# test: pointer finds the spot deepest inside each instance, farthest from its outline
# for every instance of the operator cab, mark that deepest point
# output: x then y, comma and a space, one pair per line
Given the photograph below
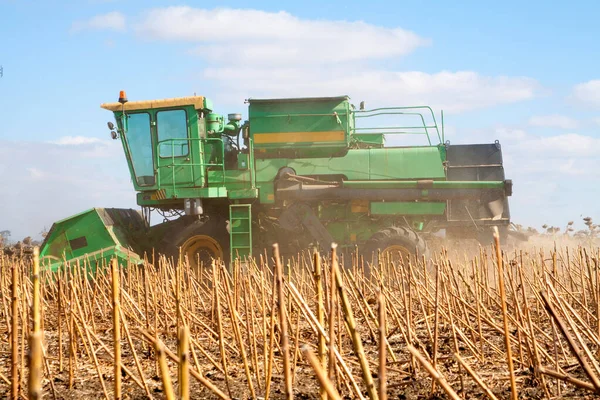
174, 141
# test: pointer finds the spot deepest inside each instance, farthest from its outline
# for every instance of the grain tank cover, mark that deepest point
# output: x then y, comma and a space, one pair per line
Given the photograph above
301, 127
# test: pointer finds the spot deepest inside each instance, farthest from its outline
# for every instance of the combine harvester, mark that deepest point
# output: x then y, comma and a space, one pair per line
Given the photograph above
299, 172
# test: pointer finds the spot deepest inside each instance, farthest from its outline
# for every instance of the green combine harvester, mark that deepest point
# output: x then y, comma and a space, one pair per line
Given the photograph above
300, 172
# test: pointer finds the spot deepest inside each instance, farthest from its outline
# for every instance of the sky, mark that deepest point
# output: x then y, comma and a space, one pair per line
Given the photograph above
523, 73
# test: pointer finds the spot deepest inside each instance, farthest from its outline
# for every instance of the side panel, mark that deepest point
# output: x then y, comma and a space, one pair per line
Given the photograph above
407, 208
299, 127
475, 162
362, 164
405, 163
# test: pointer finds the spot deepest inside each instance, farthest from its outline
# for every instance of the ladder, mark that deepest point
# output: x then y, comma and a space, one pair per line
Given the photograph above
240, 231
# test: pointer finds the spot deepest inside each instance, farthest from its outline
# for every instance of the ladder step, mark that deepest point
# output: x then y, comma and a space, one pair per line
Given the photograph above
240, 216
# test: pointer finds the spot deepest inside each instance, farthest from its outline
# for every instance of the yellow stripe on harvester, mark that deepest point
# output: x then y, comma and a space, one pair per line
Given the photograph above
300, 137
158, 195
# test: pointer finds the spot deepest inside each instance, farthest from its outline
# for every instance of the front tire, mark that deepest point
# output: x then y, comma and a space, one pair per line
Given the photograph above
200, 242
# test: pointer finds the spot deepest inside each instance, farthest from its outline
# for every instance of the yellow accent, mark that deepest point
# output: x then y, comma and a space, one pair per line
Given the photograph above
202, 246
300, 137
270, 196
353, 237
359, 206
158, 195
196, 101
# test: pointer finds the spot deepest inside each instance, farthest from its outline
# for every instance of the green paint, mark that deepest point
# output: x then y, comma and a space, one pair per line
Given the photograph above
417, 185
285, 126
373, 140
251, 193
363, 164
407, 208
94, 236
240, 230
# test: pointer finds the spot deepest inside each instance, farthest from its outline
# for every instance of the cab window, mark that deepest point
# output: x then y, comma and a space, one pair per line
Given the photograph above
172, 133
139, 142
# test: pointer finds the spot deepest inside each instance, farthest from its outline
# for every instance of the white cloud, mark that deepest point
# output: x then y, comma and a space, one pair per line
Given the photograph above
553, 121
563, 146
276, 54
587, 93
261, 37
553, 175
75, 140
114, 21
36, 173
452, 91
566, 145
89, 147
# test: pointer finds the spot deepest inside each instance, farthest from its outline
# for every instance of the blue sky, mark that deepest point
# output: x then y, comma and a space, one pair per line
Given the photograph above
524, 73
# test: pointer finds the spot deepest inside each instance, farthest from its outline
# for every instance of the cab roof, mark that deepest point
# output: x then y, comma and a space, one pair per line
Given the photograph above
198, 102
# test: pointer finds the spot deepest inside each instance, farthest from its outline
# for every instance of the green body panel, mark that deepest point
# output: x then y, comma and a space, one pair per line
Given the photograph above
240, 194
176, 196
426, 185
393, 163
266, 193
93, 236
407, 208
307, 127
230, 178
364, 164
376, 140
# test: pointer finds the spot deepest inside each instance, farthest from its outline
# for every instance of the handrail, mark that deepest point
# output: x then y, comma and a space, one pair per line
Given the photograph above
172, 165
251, 162
400, 129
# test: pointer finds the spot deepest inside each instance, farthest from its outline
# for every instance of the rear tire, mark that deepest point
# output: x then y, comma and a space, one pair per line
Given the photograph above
394, 241
200, 240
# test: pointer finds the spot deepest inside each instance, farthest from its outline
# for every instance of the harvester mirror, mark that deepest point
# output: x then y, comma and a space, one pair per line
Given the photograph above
114, 135
246, 132
111, 126
362, 105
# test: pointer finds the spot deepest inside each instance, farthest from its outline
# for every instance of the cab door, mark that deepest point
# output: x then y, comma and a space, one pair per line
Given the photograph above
175, 149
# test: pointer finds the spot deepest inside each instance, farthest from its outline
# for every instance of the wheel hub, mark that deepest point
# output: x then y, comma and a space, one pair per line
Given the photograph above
201, 250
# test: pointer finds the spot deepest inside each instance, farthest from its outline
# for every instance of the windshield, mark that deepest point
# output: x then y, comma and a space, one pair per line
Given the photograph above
139, 141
